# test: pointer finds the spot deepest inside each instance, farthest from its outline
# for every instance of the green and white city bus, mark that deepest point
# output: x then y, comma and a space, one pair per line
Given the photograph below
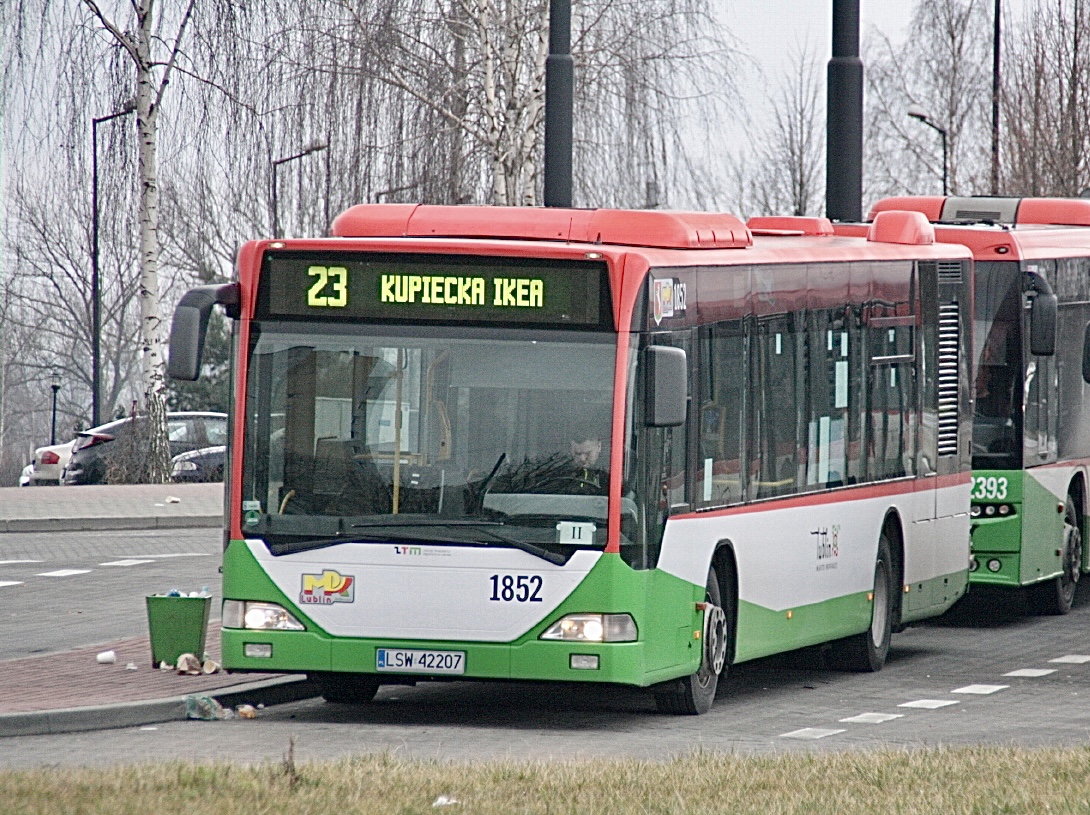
608, 446
1031, 423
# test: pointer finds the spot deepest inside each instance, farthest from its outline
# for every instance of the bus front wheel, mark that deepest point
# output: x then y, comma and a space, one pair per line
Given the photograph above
1056, 596
694, 694
866, 652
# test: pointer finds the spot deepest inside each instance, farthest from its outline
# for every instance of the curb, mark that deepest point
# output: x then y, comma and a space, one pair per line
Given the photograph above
133, 714
101, 524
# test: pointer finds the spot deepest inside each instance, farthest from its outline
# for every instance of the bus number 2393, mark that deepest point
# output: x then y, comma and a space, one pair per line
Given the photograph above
989, 488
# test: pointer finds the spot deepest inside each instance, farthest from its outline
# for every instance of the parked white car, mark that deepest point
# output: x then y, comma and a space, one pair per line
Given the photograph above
47, 469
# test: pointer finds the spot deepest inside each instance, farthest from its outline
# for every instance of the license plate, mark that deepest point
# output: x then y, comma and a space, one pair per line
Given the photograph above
398, 660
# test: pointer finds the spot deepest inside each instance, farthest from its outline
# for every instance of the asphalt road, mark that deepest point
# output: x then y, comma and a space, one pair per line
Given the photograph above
985, 674
83, 588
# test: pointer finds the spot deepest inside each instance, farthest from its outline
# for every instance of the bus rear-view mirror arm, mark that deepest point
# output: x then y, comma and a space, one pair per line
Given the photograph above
190, 326
667, 384
1042, 316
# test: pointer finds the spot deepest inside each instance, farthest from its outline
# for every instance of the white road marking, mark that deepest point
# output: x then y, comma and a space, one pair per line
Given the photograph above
177, 554
873, 718
1032, 672
929, 704
980, 690
10, 562
810, 733
1073, 659
63, 573
128, 562
10, 583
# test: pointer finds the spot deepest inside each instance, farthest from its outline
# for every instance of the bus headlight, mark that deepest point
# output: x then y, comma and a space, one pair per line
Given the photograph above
258, 616
593, 628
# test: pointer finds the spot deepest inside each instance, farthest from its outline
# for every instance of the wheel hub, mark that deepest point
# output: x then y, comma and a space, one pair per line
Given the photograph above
715, 639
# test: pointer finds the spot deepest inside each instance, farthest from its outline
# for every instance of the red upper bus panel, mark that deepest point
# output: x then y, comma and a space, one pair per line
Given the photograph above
994, 209
653, 228
790, 225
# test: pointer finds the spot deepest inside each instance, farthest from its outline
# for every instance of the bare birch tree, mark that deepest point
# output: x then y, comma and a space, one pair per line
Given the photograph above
942, 69
786, 176
1046, 90
143, 43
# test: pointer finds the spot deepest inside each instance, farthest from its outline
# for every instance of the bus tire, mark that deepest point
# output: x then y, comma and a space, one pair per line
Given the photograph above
694, 694
1057, 595
866, 652
346, 688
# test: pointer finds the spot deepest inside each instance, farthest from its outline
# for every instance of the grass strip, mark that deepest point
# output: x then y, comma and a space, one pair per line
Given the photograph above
974, 780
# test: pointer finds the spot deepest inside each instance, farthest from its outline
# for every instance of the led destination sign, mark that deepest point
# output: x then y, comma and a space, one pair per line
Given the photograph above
434, 288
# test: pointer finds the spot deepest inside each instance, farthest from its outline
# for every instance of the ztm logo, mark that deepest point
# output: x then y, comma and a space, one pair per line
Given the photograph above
327, 588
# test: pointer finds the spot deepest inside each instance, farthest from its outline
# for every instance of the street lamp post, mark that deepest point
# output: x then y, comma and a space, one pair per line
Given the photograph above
55, 384
306, 151
96, 305
916, 113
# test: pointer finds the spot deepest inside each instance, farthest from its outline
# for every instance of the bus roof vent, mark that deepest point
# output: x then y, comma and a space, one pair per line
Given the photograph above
979, 208
898, 226
790, 225
650, 228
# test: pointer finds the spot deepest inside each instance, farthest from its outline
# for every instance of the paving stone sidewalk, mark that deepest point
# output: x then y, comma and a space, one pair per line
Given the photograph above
69, 690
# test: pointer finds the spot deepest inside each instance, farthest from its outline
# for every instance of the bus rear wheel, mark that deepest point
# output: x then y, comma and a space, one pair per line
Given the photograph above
1058, 594
345, 688
866, 652
694, 694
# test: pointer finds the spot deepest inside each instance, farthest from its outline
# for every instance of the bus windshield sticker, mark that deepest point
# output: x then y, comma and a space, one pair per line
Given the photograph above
575, 533
667, 298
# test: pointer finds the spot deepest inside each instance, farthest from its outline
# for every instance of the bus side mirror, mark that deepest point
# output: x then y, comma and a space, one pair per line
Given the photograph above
667, 386
1042, 317
1086, 353
190, 326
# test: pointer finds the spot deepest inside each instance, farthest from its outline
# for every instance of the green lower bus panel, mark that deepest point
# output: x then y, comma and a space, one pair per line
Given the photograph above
1021, 546
668, 646
764, 631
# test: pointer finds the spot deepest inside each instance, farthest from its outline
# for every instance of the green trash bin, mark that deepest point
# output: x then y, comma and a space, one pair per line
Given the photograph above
177, 625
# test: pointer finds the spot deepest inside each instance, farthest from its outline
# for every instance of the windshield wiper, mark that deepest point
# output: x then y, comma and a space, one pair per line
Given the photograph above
407, 520
401, 530
525, 546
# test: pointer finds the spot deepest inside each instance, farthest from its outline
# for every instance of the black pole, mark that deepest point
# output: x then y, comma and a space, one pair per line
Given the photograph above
995, 97
844, 118
53, 421
96, 314
559, 95
96, 298
944, 190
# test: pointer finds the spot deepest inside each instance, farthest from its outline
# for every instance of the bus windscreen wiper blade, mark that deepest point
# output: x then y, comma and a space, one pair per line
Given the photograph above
469, 523
404, 530
395, 521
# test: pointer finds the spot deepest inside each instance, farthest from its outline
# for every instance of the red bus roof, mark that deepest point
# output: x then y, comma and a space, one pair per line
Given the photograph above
1035, 229
994, 209
656, 228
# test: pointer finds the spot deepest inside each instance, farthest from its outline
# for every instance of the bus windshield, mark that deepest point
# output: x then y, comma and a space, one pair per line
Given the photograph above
433, 435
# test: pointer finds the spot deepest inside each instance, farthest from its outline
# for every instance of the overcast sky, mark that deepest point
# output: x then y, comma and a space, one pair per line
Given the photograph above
769, 31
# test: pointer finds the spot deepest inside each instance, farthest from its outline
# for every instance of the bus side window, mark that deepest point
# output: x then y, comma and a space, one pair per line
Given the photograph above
775, 365
719, 472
